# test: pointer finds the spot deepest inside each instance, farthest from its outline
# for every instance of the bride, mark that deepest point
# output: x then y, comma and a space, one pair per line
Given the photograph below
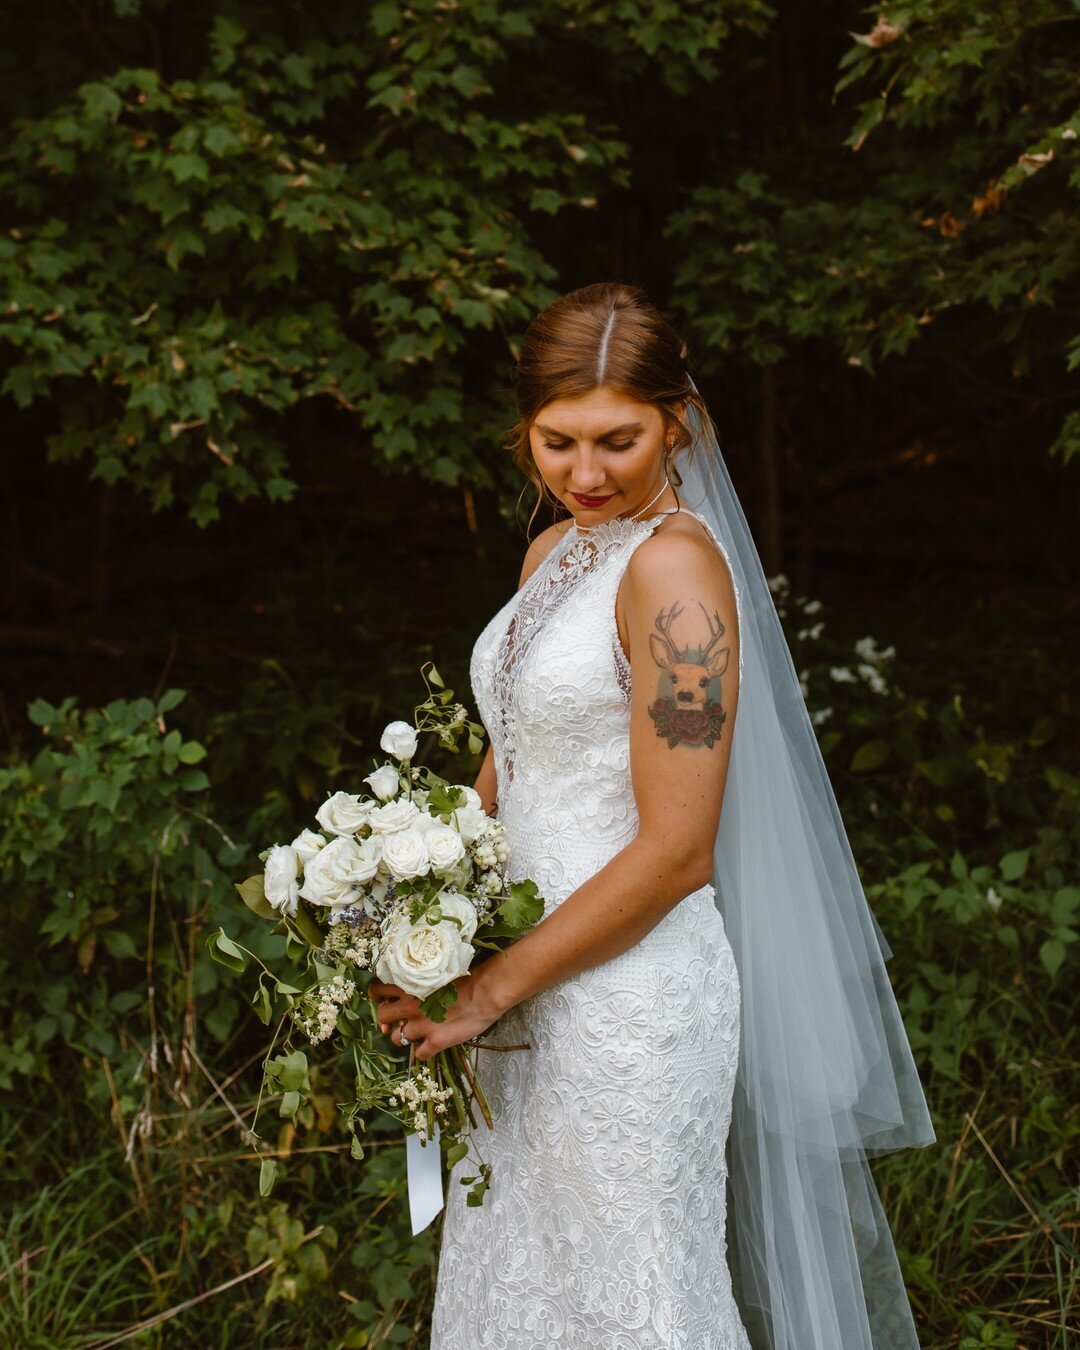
705, 1003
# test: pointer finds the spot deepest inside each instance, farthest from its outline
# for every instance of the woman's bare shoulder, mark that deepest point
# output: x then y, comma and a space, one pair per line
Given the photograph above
680, 546
540, 547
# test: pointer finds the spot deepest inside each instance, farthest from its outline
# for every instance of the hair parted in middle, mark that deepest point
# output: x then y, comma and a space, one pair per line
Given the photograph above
608, 334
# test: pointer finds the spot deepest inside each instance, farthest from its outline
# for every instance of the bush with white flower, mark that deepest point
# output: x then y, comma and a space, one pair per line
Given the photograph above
406, 881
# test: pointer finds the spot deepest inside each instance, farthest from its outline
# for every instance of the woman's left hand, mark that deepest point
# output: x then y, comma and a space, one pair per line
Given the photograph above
472, 1012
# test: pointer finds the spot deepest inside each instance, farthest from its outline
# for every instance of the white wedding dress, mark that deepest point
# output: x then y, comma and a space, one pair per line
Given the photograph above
604, 1224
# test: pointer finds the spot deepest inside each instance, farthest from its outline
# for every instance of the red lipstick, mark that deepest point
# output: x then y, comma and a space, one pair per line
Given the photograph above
591, 501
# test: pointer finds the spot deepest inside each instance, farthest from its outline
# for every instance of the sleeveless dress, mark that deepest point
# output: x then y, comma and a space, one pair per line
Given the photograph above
603, 1227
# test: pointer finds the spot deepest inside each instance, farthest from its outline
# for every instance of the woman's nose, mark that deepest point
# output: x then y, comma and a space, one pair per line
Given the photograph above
587, 474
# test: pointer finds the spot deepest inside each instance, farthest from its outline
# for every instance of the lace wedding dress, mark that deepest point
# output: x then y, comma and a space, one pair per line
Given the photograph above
604, 1224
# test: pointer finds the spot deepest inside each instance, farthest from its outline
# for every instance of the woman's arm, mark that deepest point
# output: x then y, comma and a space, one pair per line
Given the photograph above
680, 603
487, 784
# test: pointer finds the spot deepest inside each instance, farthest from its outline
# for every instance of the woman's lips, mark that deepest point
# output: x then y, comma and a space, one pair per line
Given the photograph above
591, 501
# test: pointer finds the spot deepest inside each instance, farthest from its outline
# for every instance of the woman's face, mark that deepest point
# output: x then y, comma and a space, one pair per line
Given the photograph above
601, 454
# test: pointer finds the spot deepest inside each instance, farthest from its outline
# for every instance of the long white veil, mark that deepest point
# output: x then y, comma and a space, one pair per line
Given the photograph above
826, 1077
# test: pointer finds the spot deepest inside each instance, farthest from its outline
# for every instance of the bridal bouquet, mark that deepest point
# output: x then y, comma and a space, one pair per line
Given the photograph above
406, 882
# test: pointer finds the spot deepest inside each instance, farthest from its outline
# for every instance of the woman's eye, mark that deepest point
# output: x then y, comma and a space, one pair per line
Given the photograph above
615, 445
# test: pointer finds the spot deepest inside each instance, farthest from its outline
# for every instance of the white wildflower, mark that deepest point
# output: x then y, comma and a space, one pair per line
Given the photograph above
416, 1092
332, 997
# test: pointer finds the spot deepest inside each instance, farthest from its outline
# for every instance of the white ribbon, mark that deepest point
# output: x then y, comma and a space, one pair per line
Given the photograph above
424, 1161
423, 1164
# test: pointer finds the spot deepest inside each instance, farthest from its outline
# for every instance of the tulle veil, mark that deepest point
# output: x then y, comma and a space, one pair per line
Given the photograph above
826, 1078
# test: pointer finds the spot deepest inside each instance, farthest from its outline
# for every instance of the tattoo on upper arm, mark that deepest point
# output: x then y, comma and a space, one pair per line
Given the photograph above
688, 709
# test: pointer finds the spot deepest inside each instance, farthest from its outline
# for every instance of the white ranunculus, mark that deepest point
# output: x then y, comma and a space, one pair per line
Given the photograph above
281, 884
384, 782
306, 844
422, 957
470, 822
337, 873
456, 906
393, 816
343, 813
444, 846
399, 739
405, 855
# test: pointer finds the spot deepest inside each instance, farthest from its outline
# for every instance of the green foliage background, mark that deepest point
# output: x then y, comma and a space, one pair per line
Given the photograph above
263, 269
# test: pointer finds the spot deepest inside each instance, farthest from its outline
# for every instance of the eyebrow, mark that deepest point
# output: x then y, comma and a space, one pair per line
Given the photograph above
626, 426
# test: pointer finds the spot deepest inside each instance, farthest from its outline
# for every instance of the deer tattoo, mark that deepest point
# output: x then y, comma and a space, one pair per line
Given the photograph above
683, 711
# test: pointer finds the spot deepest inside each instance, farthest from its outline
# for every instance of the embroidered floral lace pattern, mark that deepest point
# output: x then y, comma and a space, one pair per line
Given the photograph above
604, 1227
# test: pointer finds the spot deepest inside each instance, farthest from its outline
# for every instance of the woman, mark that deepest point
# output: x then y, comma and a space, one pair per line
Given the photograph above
662, 1011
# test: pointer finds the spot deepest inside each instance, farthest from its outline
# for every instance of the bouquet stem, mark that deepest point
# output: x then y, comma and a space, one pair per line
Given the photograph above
461, 1059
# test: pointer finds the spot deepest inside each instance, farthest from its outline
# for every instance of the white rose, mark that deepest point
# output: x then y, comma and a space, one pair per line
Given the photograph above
306, 844
405, 854
393, 816
422, 957
384, 782
399, 739
456, 906
444, 846
281, 884
337, 873
470, 822
343, 813
472, 797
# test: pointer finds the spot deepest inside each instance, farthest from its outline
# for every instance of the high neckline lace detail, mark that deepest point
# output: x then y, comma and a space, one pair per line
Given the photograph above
616, 527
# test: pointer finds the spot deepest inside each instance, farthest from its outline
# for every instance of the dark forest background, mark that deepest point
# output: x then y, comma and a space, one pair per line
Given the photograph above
263, 269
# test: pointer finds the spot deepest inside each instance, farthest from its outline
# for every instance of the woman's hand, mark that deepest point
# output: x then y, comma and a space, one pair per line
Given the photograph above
469, 1015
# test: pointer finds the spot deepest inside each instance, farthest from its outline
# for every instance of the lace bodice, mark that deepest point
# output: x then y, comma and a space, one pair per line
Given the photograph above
552, 683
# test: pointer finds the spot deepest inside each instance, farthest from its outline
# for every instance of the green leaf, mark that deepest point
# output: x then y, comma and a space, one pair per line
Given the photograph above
184, 165
267, 1174
225, 951
101, 101
456, 1152
870, 756
42, 714
435, 1005
444, 798
520, 911
264, 1008
290, 1104
119, 944
1052, 955
1014, 865
292, 1072
253, 895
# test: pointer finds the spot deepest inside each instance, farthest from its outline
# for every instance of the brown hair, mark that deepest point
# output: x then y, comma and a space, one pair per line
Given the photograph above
608, 334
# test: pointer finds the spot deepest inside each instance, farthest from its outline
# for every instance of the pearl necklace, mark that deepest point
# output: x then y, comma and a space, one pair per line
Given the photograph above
647, 504
588, 529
